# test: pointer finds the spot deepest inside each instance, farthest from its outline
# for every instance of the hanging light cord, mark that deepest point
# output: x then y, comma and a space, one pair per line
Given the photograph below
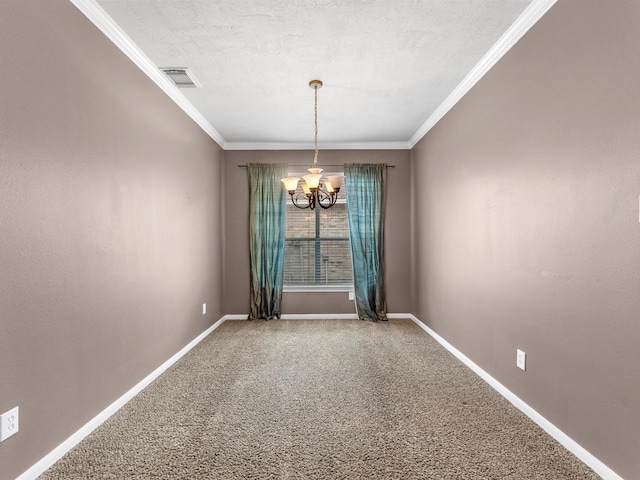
315, 158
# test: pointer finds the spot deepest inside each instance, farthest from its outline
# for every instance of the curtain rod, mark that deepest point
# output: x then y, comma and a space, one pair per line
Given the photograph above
388, 166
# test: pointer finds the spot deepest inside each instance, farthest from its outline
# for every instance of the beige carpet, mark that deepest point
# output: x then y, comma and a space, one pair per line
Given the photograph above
319, 399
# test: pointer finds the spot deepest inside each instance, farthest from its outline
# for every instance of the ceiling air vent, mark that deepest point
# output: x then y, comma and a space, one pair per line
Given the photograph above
181, 77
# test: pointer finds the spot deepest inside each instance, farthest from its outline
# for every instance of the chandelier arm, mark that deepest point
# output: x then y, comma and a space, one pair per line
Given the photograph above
295, 202
332, 197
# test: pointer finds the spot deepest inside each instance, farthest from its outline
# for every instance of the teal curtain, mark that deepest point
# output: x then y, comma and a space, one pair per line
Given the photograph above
267, 231
365, 185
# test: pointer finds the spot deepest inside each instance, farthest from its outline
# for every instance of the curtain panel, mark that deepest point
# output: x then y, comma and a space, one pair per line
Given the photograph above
267, 232
366, 185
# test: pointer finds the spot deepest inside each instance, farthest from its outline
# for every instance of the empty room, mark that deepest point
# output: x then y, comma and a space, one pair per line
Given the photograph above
318, 239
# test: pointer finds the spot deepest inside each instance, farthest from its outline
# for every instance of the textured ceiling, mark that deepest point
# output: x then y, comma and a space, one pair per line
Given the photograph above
386, 64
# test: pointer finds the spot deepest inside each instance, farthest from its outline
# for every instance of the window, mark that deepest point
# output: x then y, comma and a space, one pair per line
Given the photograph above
317, 251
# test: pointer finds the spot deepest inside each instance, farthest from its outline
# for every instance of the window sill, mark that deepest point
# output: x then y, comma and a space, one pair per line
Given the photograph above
318, 288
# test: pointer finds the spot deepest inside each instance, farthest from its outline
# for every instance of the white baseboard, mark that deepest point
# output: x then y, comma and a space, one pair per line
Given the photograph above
600, 468
596, 465
302, 316
319, 316
58, 452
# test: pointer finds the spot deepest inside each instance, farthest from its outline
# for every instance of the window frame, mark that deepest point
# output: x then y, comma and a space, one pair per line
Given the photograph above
335, 287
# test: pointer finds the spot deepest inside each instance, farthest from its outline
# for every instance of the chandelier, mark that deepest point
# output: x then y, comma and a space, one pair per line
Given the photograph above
315, 190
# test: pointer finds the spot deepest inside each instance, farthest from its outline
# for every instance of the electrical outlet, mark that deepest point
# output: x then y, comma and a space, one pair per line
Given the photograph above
204, 308
521, 360
352, 295
8, 424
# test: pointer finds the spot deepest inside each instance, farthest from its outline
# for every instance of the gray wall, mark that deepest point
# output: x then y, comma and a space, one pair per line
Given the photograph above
236, 285
524, 232
526, 224
110, 226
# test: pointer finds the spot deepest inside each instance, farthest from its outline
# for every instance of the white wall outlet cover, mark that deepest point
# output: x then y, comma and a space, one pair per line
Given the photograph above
204, 308
521, 359
8, 424
352, 296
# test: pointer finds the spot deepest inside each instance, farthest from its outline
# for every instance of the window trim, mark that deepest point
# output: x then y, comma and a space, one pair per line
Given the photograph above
336, 287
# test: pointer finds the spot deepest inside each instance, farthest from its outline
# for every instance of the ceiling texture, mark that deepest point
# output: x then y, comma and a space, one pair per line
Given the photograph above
391, 68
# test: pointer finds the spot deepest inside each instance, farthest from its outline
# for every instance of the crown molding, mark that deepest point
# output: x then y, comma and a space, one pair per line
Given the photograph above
106, 25
534, 12
310, 146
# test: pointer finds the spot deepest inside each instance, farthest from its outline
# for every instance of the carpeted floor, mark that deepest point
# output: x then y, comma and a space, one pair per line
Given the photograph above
319, 399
